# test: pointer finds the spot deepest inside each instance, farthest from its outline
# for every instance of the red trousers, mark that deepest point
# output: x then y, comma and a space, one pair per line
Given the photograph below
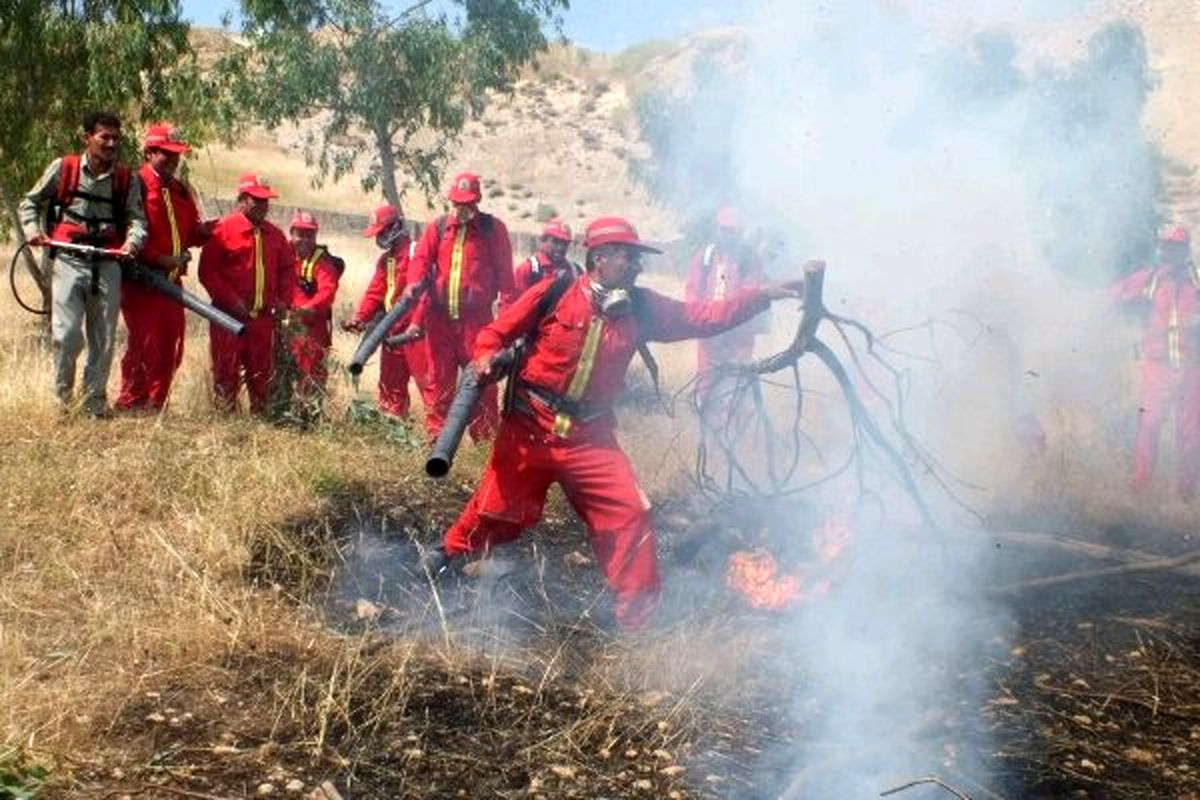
309, 350
249, 358
1164, 389
600, 485
154, 349
449, 346
396, 366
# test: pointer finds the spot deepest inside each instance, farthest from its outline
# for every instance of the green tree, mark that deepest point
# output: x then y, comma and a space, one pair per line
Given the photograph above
60, 58
384, 91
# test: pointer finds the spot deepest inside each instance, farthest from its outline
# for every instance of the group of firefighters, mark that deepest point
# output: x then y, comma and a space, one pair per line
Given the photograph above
469, 302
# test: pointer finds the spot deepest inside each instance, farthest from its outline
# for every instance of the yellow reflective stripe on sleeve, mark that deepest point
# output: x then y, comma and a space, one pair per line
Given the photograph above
260, 273
583, 373
176, 242
389, 294
456, 259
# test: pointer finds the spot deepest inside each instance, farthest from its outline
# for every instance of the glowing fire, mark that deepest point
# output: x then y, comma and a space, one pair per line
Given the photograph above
755, 574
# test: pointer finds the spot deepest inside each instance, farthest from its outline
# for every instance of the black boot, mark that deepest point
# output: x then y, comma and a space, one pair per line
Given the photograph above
435, 562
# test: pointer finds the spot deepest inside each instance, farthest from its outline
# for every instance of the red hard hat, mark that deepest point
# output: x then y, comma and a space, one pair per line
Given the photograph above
304, 221
164, 136
614, 230
1175, 234
255, 186
728, 217
381, 218
557, 229
465, 188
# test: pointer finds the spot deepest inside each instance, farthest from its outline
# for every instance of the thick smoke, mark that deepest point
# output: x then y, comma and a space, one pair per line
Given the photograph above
944, 174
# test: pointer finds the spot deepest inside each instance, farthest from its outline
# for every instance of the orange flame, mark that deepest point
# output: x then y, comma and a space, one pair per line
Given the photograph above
755, 574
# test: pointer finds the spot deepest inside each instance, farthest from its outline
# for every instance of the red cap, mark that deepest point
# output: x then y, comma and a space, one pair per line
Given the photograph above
1176, 234
614, 230
557, 229
381, 218
255, 186
164, 136
465, 188
728, 217
304, 221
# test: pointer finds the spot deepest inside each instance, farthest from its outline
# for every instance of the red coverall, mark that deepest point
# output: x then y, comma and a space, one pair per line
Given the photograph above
581, 355
155, 322
396, 364
722, 276
316, 286
524, 277
249, 273
1170, 371
470, 267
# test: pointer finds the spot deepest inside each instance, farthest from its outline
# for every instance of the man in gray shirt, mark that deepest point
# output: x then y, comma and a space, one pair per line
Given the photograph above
87, 199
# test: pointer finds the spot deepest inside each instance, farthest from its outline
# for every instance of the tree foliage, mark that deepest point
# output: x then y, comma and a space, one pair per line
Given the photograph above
383, 91
61, 58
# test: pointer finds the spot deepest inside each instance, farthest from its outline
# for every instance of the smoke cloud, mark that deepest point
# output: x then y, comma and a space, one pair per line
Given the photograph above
945, 175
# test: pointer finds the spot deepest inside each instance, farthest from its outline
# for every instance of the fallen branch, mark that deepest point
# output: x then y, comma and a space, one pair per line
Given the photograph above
1079, 547
932, 779
1162, 565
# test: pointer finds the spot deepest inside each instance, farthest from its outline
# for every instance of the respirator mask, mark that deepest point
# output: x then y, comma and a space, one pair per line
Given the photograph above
388, 237
611, 302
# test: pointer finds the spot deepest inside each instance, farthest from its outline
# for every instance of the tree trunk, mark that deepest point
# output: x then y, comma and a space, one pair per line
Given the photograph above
387, 164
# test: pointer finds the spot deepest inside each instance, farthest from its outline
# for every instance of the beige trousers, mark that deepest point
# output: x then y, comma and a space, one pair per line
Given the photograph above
78, 312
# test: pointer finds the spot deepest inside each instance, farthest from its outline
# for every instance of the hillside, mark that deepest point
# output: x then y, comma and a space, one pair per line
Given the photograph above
560, 142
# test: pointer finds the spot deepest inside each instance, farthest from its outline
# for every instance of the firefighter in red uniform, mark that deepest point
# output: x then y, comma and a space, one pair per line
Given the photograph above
396, 364
317, 276
721, 268
561, 426
1169, 356
249, 271
155, 322
549, 261
466, 258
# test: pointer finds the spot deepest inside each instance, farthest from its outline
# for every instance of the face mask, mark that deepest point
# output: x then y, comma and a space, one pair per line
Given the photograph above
612, 302
389, 237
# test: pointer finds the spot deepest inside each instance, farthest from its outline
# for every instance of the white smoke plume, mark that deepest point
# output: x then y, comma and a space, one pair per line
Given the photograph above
940, 173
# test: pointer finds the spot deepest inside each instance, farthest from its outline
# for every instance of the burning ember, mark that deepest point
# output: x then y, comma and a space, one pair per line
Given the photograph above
755, 574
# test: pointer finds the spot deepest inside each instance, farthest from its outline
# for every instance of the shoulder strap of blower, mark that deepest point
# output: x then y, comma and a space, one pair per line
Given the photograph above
68, 189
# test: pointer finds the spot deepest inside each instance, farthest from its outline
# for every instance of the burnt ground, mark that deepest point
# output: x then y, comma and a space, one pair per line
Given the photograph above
1097, 695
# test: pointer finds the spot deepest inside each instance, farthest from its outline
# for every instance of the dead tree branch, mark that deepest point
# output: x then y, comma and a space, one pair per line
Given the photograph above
744, 415
932, 779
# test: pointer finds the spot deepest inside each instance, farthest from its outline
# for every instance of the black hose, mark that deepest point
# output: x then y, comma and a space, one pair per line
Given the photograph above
12, 282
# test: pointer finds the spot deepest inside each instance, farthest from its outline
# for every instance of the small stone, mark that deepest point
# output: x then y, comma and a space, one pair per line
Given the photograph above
414, 753
1089, 765
295, 786
1082, 719
643, 785
663, 755
367, 611
155, 717
265, 789
672, 770
326, 791
631, 753
566, 773
576, 559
